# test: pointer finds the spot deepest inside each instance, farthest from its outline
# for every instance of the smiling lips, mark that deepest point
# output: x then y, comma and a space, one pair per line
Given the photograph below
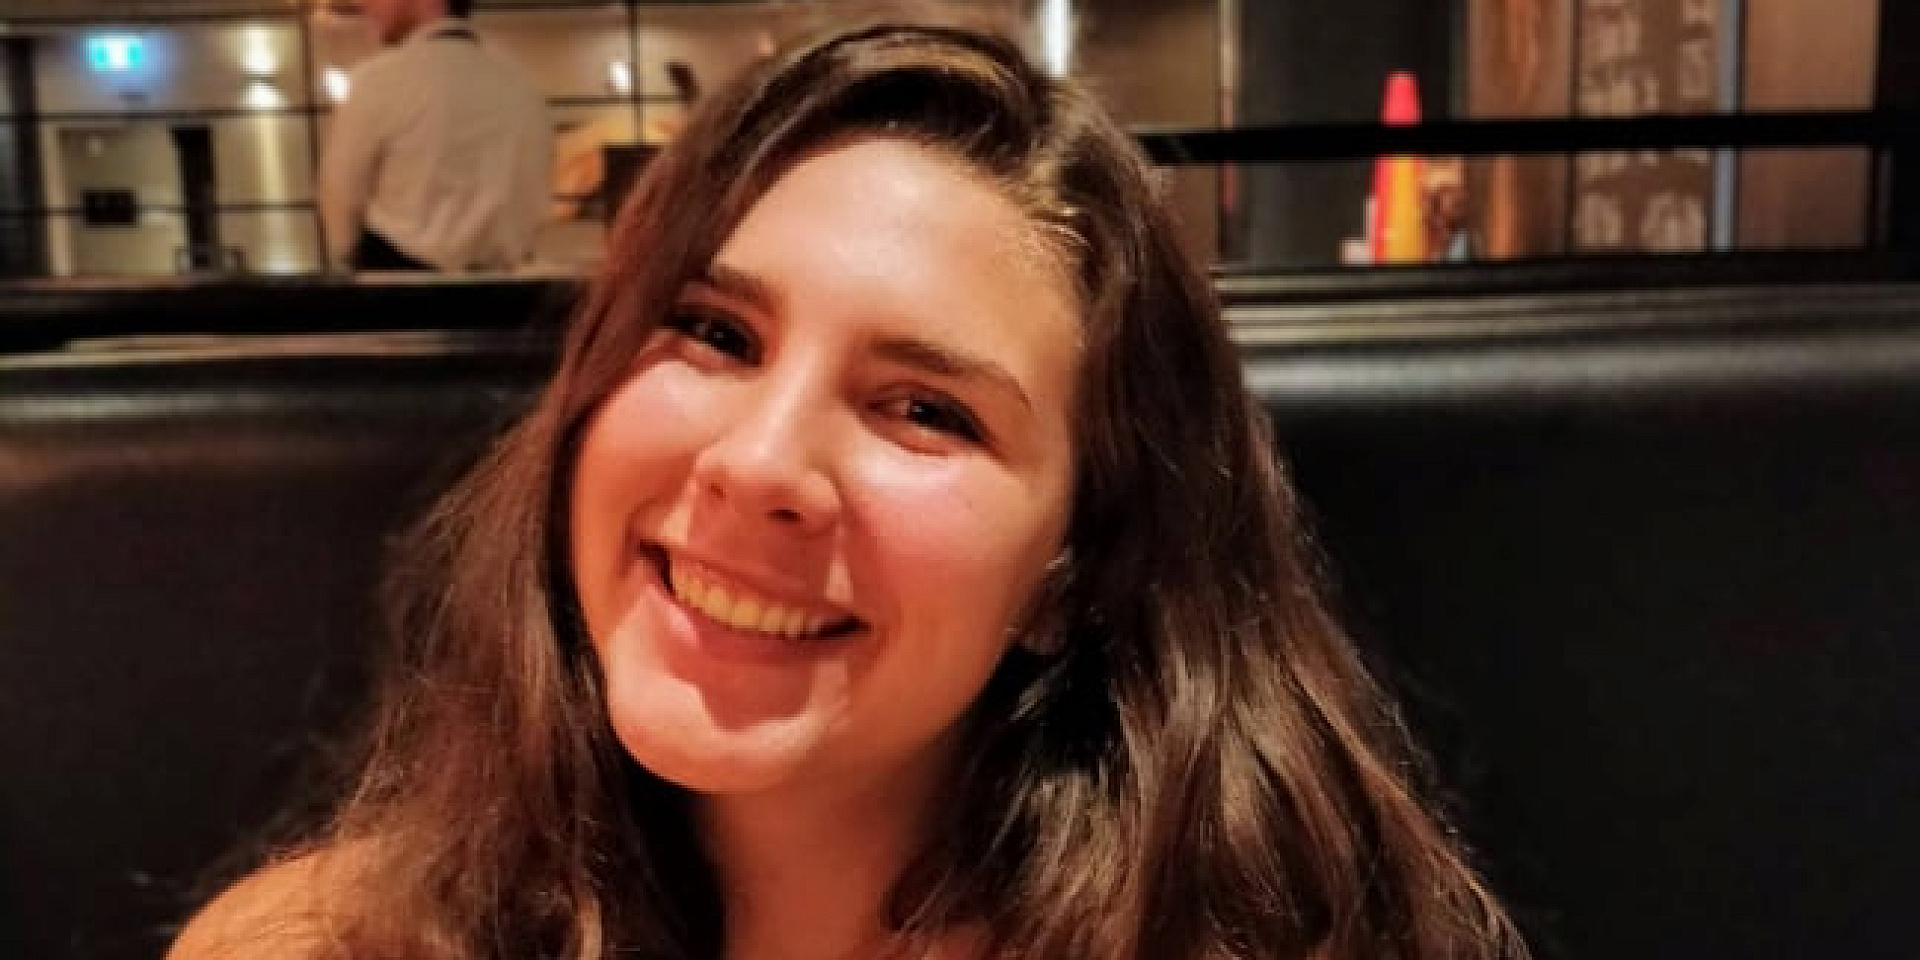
743, 609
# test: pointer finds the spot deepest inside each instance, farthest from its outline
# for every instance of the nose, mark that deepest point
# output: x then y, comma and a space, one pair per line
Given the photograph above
770, 461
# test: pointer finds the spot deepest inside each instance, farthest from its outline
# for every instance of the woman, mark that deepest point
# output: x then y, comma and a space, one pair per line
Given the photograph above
894, 568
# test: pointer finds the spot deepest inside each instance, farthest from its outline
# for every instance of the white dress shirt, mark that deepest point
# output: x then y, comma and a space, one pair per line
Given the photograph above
442, 148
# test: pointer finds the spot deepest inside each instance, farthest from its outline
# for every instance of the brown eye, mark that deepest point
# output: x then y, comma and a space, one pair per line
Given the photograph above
938, 415
717, 330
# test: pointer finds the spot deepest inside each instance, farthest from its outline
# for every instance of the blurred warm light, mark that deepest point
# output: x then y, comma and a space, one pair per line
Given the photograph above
337, 84
273, 237
263, 95
258, 58
1056, 35
620, 77
259, 63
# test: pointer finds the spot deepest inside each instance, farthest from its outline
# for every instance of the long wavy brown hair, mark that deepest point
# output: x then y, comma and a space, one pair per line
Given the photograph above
1203, 769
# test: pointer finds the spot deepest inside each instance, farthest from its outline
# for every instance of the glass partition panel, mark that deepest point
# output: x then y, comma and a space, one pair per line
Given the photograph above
1289, 217
169, 66
269, 240
582, 51
153, 244
133, 129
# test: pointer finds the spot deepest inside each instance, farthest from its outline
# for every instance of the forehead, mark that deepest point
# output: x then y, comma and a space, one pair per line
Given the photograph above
892, 185
887, 230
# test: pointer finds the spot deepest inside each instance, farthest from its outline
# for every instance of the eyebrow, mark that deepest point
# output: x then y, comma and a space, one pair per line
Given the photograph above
944, 362
757, 292
925, 355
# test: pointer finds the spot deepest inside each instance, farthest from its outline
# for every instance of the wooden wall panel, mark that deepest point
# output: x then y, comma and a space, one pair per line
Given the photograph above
1519, 65
1808, 55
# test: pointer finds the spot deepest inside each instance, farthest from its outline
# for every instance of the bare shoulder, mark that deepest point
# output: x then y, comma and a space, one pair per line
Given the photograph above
279, 910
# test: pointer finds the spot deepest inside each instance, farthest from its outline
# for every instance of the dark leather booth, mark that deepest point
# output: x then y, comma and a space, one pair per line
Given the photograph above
1644, 560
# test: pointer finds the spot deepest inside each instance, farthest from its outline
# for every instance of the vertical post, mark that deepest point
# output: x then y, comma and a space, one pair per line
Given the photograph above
636, 91
193, 143
1726, 165
24, 251
1229, 232
1897, 90
1569, 236
312, 111
636, 103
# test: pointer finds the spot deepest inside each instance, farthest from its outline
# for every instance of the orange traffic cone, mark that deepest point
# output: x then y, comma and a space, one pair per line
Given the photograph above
1399, 227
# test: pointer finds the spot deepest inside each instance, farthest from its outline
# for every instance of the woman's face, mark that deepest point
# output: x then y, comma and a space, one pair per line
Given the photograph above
806, 524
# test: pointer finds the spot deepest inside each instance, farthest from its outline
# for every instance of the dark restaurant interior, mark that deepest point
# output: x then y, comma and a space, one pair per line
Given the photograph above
1615, 467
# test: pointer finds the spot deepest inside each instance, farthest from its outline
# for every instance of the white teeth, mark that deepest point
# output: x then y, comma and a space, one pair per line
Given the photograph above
694, 591
794, 622
745, 613
774, 620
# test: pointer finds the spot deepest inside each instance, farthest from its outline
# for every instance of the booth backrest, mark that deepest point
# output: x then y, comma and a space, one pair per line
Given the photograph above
1645, 567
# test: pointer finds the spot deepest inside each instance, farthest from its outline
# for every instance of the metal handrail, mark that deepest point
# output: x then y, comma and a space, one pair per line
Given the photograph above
1306, 142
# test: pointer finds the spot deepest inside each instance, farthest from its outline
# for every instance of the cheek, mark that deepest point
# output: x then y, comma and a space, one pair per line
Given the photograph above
955, 551
958, 545
634, 451
651, 422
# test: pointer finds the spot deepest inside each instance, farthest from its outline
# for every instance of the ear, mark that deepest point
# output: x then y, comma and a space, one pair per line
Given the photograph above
1043, 630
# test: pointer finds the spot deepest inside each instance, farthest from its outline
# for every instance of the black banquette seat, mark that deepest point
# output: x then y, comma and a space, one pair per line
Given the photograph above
1644, 559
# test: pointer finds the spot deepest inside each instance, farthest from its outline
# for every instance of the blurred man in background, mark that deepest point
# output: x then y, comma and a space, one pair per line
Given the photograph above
439, 157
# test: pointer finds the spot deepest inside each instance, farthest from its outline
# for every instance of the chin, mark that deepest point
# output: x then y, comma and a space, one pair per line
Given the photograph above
675, 732
713, 724
711, 768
